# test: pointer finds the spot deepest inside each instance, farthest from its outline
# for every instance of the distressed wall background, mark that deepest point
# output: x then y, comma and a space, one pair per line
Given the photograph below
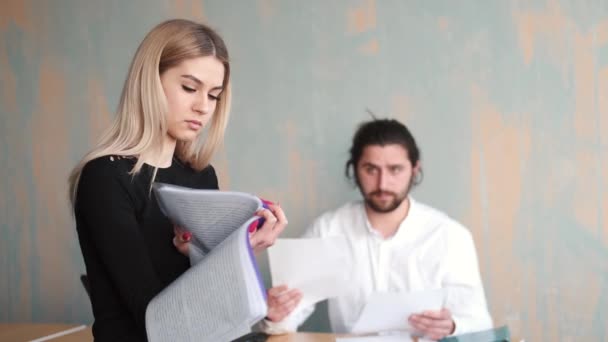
506, 98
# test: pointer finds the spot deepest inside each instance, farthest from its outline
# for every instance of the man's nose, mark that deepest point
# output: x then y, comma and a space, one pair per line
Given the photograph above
382, 180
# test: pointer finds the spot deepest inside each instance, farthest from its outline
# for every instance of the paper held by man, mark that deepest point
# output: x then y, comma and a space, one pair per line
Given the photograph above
318, 267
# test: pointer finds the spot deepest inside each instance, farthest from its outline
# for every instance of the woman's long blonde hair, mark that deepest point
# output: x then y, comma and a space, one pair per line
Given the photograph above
140, 122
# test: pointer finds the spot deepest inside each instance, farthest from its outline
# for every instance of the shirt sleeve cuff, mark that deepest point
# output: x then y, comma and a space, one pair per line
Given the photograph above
277, 328
458, 326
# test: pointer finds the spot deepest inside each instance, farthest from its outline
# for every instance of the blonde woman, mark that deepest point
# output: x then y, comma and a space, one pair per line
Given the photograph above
178, 84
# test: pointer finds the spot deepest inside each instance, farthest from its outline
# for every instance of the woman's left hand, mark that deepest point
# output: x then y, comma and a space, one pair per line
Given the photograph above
275, 223
181, 240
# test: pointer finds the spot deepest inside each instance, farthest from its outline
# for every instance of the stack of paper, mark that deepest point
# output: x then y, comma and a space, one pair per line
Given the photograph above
222, 295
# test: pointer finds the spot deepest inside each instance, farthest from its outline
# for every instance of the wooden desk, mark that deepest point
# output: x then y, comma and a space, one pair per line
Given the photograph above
303, 337
23, 332
308, 337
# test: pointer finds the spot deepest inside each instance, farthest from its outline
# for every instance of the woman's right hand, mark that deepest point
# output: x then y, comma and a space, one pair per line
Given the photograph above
260, 239
181, 240
274, 224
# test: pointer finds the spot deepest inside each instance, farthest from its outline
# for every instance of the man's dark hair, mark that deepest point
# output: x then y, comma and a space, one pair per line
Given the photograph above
381, 132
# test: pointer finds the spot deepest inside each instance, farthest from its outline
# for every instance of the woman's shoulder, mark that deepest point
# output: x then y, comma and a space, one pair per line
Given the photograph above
207, 178
105, 177
204, 178
110, 165
107, 169
208, 171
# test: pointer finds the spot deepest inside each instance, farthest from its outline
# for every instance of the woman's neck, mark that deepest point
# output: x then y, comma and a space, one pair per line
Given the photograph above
164, 158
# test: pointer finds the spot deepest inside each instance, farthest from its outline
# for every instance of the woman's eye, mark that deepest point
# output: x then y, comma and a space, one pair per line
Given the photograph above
188, 89
213, 98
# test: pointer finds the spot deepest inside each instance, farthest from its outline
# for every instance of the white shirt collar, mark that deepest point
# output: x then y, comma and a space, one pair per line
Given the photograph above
407, 221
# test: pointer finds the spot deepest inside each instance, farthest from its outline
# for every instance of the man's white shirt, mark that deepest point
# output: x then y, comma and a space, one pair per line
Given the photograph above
428, 251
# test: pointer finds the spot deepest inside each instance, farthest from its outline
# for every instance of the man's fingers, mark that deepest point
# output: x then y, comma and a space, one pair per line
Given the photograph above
437, 334
277, 290
283, 303
288, 296
288, 306
422, 321
416, 326
434, 324
438, 314
446, 313
433, 314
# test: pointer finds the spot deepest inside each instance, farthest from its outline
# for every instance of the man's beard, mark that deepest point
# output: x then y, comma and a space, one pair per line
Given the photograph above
386, 207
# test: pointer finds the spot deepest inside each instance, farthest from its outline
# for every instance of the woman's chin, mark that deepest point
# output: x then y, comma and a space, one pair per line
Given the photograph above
187, 136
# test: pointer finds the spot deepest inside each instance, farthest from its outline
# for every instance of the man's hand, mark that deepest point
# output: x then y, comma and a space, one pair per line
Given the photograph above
281, 302
433, 324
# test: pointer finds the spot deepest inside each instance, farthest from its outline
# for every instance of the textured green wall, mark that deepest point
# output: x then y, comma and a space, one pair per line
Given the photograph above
507, 99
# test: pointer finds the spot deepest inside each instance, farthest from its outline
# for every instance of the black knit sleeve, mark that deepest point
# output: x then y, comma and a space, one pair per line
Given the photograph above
106, 205
210, 179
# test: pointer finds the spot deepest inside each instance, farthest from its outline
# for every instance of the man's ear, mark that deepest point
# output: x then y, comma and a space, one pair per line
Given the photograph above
356, 177
416, 169
417, 173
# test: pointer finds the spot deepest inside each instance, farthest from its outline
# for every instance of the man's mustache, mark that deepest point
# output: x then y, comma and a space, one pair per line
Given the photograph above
380, 192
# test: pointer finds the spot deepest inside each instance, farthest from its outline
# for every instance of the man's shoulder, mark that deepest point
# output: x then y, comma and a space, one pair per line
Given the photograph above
336, 220
345, 211
437, 219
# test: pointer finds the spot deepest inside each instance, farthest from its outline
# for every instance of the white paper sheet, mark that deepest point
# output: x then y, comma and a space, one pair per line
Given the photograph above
381, 338
387, 338
390, 311
314, 266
